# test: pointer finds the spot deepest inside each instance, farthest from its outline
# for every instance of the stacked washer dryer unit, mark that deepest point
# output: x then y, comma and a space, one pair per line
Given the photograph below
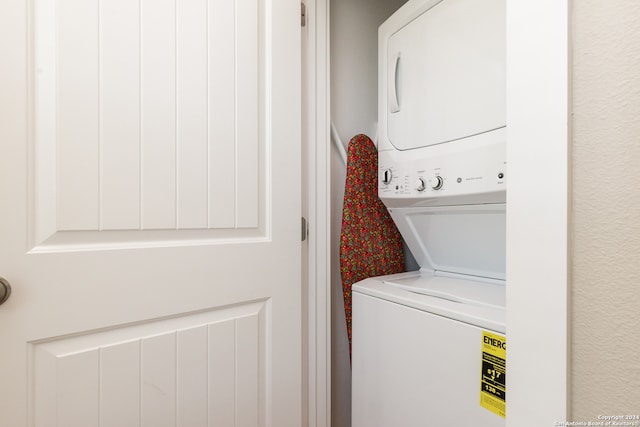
429, 346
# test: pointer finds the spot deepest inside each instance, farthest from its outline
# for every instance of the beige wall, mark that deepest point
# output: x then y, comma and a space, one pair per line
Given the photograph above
605, 286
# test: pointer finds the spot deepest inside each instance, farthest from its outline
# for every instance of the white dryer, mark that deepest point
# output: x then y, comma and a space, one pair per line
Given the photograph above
429, 346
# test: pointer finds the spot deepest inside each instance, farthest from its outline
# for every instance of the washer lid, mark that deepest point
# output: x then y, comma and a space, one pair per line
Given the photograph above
458, 290
483, 307
468, 240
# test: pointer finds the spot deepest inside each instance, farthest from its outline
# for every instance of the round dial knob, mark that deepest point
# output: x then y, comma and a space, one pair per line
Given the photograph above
386, 176
420, 184
436, 182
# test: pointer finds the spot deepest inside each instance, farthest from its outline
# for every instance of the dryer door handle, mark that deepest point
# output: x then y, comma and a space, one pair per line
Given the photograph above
393, 85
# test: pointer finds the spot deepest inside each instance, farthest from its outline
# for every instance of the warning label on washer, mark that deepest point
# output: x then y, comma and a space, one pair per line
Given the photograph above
492, 380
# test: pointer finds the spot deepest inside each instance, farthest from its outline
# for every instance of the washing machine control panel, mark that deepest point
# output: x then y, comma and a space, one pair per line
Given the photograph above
465, 171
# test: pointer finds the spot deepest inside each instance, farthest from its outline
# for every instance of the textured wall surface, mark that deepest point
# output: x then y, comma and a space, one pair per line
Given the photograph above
605, 365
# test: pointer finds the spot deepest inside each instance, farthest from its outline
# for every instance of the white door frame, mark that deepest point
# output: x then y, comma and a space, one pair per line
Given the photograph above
539, 135
538, 100
316, 120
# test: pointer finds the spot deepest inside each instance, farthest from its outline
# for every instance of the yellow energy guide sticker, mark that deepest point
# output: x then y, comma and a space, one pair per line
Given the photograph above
492, 380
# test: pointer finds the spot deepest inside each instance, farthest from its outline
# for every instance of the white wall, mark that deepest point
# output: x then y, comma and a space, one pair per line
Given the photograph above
605, 363
354, 68
354, 109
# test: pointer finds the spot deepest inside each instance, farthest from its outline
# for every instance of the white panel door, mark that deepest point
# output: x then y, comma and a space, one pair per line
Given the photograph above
150, 213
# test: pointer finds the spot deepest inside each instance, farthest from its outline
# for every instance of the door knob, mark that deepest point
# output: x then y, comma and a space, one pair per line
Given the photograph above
5, 290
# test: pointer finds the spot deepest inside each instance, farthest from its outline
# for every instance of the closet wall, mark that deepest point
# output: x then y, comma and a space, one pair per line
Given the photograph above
354, 110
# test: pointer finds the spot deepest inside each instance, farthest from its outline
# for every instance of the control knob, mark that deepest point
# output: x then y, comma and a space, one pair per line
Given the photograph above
436, 182
420, 186
387, 176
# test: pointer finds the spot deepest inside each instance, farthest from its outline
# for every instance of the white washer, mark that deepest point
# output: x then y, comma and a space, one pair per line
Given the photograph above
429, 347
418, 358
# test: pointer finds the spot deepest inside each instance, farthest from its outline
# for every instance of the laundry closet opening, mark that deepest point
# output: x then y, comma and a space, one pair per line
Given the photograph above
429, 87
539, 80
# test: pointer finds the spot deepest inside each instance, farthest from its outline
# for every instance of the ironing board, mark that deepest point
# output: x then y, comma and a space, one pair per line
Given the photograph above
370, 244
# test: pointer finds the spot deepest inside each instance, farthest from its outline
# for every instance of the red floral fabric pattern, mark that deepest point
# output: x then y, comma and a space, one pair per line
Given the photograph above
370, 244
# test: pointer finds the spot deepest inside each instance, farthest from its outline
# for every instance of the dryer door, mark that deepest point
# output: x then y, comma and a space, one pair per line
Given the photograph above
445, 73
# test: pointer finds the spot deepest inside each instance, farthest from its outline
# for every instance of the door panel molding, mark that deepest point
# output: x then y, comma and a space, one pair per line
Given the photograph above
136, 127
180, 366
